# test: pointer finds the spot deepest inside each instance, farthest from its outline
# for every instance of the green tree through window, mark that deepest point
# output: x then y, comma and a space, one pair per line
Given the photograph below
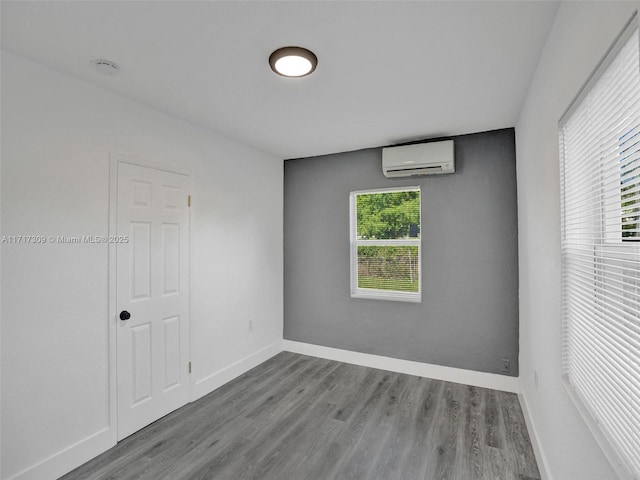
387, 215
630, 185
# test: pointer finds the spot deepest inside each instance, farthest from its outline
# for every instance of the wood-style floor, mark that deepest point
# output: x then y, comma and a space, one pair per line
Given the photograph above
303, 418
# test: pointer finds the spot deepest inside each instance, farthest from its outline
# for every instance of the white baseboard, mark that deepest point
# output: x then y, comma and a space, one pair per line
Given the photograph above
541, 458
70, 458
83, 451
211, 382
437, 372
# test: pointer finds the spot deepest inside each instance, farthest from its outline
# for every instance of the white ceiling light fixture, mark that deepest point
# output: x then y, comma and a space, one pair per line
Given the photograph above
293, 62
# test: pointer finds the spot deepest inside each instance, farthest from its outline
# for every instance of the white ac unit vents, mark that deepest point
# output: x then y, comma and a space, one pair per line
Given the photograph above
420, 159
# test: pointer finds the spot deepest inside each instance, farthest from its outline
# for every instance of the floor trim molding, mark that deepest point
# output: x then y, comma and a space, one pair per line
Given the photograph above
77, 454
215, 380
541, 458
66, 460
437, 372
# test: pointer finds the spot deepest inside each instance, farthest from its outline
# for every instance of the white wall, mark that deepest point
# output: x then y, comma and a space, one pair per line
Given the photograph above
57, 134
582, 33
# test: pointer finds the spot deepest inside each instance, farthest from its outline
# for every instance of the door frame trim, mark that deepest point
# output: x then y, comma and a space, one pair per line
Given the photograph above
116, 158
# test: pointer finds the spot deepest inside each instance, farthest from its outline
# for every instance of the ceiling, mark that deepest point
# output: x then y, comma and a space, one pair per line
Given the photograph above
388, 71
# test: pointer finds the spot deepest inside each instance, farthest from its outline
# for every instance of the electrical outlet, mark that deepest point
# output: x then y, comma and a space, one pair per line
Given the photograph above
535, 379
251, 325
506, 365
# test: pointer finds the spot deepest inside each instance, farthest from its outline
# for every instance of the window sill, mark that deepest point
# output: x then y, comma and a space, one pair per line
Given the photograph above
390, 296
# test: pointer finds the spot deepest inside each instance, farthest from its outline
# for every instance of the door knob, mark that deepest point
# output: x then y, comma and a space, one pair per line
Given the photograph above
124, 315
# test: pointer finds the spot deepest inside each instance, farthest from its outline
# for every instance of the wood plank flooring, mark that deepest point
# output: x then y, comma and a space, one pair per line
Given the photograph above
303, 418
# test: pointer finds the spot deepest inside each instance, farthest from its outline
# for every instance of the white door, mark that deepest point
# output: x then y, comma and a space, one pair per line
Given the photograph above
152, 295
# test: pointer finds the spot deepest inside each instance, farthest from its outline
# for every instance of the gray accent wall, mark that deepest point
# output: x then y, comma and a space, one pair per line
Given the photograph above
468, 317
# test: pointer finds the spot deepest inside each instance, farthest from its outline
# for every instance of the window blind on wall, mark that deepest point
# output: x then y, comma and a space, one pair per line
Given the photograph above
600, 202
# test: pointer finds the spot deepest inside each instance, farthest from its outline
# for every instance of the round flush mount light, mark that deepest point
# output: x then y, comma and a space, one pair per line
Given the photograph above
293, 61
106, 67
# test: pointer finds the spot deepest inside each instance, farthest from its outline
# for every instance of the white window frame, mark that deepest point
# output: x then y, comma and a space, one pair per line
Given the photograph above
600, 269
372, 293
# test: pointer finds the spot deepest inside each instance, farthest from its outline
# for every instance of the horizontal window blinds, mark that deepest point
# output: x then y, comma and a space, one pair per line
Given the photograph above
600, 202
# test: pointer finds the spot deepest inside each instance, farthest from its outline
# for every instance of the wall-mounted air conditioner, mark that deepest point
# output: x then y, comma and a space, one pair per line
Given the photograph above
419, 159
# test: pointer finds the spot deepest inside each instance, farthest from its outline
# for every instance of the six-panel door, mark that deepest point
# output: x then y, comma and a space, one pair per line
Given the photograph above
152, 286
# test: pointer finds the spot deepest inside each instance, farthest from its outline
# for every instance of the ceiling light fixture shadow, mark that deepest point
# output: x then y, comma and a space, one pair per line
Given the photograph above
293, 62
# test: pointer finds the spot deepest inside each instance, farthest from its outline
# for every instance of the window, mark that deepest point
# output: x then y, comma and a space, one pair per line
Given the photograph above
600, 201
385, 244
